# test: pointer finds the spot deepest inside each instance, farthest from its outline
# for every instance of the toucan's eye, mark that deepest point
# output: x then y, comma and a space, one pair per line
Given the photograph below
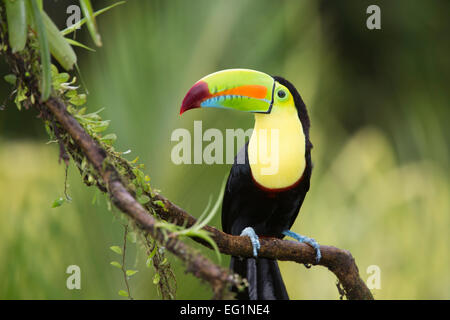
281, 94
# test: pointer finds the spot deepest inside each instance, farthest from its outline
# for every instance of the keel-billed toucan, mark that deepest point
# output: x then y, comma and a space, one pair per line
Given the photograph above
261, 198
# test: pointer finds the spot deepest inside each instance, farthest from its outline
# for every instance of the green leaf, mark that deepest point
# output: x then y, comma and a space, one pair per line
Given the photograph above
150, 256
88, 13
131, 272
71, 93
16, 15
88, 118
116, 264
204, 235
159, 203
58, 202
82, 111
123, 293
10, 78
109, 138
78, 99
77, 25
132, 237
156, 278
59, 47
46, 81
59, 78
135, 160
143, 199
21, 95
100, 126
79, 44
116, 249
201, 224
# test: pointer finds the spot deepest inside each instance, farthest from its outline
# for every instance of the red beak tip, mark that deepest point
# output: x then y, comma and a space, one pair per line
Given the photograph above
184, 109
195, 95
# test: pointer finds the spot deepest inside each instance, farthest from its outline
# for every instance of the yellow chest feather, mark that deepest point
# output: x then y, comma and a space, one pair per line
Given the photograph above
276, 150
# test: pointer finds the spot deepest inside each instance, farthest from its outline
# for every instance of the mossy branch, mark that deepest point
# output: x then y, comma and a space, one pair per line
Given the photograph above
200, 266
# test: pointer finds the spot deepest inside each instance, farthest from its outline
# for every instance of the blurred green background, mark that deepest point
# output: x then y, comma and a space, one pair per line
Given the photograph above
378, 103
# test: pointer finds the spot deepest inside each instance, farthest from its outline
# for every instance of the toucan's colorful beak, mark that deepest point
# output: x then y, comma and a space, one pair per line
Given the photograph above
240, 89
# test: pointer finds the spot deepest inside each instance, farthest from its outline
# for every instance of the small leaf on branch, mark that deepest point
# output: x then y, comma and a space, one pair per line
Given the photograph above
131, 236
123, 293
58, 202
160, 204
143, 199
99, 126
20, 96
109, 138
116, 264
10, 78
78, 99
135, 160
131, 272
116, 249
156, 278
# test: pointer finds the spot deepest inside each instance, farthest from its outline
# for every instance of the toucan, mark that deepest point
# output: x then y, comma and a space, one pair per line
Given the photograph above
271, 173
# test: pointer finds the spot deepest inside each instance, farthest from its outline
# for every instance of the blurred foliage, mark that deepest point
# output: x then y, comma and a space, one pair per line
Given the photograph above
378, 102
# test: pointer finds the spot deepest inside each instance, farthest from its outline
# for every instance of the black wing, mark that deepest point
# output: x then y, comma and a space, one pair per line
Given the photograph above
237, 191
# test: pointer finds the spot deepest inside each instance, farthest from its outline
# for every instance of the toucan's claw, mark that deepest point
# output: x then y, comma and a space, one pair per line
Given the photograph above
313, 243
250, 232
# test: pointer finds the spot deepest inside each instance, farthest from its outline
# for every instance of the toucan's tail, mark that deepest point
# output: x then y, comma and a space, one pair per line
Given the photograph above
264, 279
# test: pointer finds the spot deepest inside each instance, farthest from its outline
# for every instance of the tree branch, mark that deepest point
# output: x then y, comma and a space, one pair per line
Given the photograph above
200, 266
338, 261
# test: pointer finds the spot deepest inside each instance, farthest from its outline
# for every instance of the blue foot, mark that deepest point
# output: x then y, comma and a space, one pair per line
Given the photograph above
313, 243
249, 232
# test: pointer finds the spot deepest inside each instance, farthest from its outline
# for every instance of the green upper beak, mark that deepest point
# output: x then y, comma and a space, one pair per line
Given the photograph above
240, 89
